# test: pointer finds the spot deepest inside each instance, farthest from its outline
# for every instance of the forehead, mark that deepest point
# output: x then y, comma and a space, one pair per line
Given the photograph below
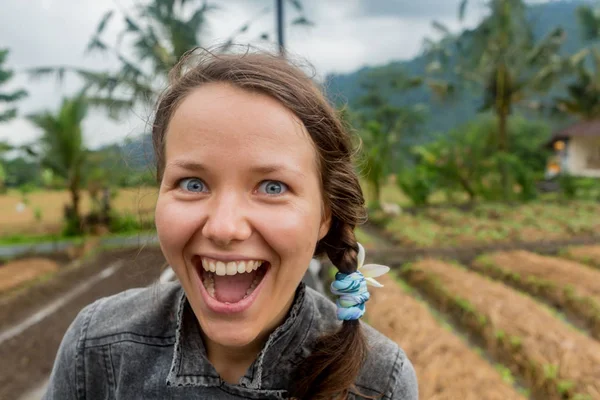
219, 120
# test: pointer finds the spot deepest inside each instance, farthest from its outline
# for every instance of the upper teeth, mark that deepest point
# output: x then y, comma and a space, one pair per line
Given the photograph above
231, 268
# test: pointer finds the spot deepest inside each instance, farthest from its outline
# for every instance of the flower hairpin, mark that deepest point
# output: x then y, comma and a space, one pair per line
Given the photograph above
370, 271
352, 288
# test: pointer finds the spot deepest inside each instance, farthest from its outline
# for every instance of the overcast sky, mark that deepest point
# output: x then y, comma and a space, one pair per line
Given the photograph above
347, 35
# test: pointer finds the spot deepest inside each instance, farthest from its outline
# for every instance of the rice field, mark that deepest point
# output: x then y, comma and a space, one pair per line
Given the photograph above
42, 212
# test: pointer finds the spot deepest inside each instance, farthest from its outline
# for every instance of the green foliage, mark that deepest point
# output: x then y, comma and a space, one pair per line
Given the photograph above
466, 159
418, 184
2, 179
71, 227
506, 374
564, 386
124, 223
63, 151
10, 97
550, 371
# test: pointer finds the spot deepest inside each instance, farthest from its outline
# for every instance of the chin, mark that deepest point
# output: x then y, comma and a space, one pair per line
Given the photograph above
231, 334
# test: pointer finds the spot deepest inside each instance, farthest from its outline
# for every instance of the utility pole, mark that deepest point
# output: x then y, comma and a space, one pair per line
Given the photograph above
280, 20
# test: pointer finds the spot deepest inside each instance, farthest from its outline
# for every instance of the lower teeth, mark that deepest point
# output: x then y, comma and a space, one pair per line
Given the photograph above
209, 283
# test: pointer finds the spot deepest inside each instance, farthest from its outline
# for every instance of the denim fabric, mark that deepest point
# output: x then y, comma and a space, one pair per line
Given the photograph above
146, 344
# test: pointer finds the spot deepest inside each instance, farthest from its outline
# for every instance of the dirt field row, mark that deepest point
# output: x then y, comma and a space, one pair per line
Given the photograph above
567, 285
589, 255
555, 360
27, 358
447, 368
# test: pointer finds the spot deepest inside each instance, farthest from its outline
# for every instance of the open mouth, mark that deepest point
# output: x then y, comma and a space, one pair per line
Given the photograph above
233, 281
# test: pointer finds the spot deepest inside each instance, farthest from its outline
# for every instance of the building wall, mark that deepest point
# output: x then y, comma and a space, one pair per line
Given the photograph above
583, 156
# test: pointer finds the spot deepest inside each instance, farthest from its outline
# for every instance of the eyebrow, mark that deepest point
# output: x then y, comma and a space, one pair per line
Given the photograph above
259, 169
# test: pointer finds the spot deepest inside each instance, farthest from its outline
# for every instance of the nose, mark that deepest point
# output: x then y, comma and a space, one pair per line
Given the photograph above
227, 220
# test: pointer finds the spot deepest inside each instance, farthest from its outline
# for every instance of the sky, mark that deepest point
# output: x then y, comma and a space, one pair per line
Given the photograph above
347, 35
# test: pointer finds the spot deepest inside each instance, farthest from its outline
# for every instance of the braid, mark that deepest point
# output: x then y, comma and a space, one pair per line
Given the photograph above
340, 246
338, 356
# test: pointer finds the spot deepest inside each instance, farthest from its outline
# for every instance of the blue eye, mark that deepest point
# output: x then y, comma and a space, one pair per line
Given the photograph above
194, 185
273, 188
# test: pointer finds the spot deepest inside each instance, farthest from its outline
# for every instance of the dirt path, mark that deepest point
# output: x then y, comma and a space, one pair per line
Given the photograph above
27, 358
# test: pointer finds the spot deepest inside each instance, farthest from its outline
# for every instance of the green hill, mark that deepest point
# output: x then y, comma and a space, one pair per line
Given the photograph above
346, 88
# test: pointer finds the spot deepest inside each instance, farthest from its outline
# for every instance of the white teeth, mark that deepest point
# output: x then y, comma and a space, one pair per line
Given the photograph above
249, 266
221, 269
241, 268
231, 268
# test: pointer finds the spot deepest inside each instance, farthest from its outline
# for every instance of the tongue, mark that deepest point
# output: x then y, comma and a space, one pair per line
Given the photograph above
233, 288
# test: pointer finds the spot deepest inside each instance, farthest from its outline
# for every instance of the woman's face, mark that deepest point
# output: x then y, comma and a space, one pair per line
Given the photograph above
239, 210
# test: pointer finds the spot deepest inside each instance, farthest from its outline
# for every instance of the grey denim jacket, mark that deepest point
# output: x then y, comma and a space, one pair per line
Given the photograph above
146, 344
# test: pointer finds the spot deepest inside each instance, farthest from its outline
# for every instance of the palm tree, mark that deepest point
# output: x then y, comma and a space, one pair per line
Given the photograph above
583, 94
63, 150
10, 97
160, 32
589, 20
502, 58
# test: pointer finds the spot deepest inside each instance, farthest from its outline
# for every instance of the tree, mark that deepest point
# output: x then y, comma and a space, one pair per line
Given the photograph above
8, 97
382, 128
160, 32
63, 150
501, 58
583, 93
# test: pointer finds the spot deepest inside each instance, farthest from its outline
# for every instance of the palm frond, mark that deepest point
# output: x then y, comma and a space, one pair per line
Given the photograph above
12, 97
104, 22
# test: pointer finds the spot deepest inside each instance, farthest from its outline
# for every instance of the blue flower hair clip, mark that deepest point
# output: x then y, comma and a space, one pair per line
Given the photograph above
352, 288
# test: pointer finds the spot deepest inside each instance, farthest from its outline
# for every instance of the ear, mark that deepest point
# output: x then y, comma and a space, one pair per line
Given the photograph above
325, 223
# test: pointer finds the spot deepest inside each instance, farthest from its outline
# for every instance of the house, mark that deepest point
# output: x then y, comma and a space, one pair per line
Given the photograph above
576, 150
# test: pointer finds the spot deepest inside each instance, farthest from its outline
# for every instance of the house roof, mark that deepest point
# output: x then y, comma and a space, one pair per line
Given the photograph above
580, 129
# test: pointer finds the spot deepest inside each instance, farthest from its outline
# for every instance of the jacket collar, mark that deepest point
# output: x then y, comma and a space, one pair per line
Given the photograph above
190, 365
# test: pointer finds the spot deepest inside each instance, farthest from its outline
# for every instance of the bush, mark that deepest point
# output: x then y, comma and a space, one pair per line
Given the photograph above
417, 184
124, 223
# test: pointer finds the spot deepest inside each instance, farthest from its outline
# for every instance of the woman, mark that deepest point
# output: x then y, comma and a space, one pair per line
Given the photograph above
256, 178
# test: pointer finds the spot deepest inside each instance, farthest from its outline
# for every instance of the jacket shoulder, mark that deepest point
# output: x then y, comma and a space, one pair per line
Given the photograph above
387, 371
149, 312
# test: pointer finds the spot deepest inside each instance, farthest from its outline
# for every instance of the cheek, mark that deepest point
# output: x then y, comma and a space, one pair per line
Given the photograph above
176, 223
291, 231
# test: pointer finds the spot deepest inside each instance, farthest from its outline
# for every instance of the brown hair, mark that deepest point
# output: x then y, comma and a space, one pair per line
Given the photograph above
331, 369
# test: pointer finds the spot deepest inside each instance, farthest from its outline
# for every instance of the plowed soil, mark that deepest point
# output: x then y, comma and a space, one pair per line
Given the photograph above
568, 285
589, 255
27, 358
446, 367
16, 273
556, 361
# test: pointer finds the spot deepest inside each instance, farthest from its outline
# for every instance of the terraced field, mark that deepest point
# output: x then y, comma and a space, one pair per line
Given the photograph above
507, 325
567, 285
447, 368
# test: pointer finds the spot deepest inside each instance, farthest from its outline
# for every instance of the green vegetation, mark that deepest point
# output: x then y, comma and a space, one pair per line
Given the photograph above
8, 98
